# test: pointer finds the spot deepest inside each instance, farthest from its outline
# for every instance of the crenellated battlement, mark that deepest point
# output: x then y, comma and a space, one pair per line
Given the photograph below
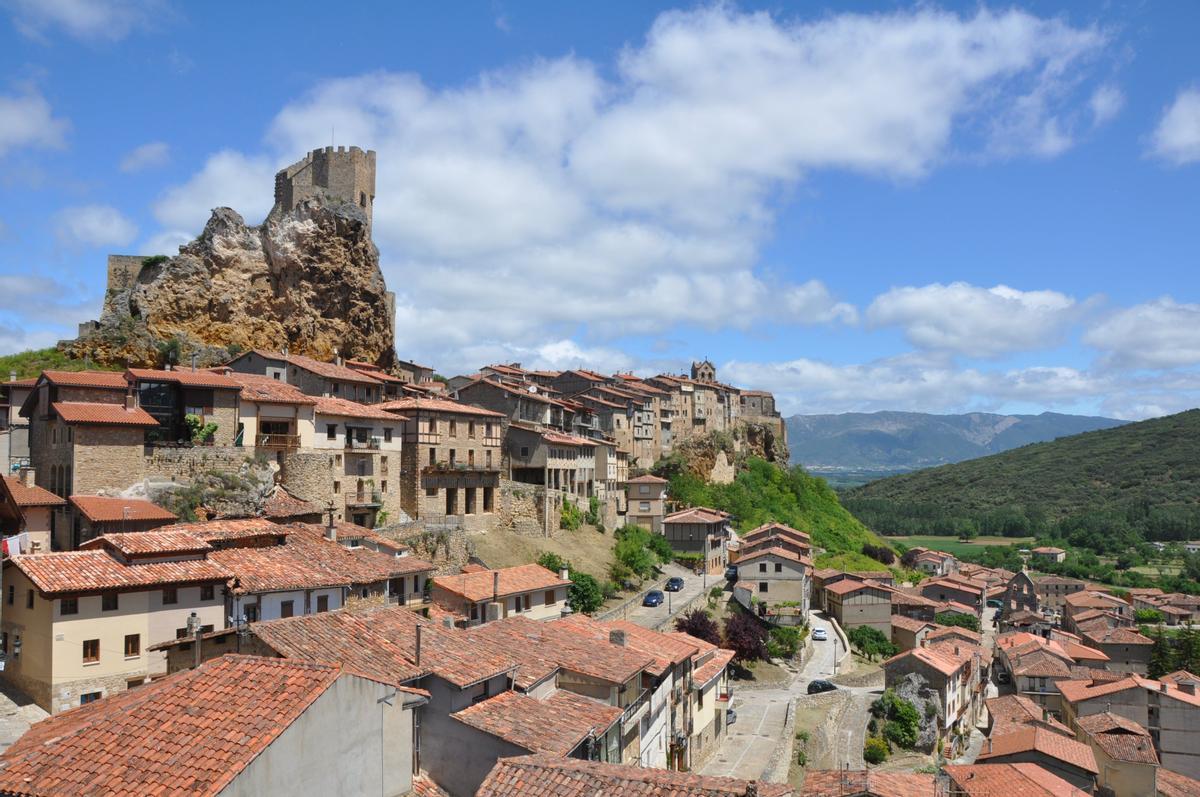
345, 173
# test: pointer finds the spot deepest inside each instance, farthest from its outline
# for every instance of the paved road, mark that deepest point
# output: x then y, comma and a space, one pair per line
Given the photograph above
17, 713
693, 585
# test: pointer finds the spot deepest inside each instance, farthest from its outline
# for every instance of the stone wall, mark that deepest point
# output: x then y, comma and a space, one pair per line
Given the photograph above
185, 464
107, 458
723, 471
308, 475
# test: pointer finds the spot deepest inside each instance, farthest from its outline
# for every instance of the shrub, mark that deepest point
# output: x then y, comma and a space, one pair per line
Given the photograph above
593, 512
571, 517
786, 641
635, 550
870, 642
698, 623
802, 736
875, 751
199, 431
959, 620
584, 594
745, 637
801, 758
552, 562
1148, 616
880, 553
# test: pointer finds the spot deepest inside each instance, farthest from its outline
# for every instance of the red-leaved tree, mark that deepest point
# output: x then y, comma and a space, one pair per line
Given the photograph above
700, 625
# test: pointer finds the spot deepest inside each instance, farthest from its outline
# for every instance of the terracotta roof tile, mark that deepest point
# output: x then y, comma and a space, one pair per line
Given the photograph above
843, 782
1042, 741
711, 667
1174, 784
189, 733
909, 624
555, 776
939, 660
30, 496
417, 404
281, 505
325, 369
233, 529
1011, 780
647, 478
478, 585
1012, 712
140, 543
328, 405
666, 650
1120, 738
101, 414
66, 572
1117, 636
697, 514
848, 585
266, 390
556, 725
102, 509
202, 378
114, 380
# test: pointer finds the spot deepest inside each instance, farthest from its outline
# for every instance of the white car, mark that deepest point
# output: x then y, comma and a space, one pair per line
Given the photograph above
820, 635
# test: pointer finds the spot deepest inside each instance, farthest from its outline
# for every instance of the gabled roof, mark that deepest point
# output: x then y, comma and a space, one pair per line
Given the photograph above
102, 414
183, 377
344, 408
848, 586
416, 404
909, 624
556, 776
30, 496
1173, 784
281, 505
142, 543
70, 572
697, 514
1050, 549
191, 733
647, 478
666, 650
776, 550
112, 380
1012, 712
266, 390
1117, 636
1042, 741
555, 725
328, 370
1011, 780
711, 667
478, 585
232, 529
940, 659
102, 509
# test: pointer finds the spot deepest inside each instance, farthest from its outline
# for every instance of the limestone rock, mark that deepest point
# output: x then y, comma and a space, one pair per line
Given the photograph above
307, 278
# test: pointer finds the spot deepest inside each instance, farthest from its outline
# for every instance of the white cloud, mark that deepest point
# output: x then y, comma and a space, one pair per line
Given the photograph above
164, 243
150, 155
547, 201
1106, 103
1177, 137
26, 120
92, 226
29, 302
89, 20
228, 179
1158, 334
967, 319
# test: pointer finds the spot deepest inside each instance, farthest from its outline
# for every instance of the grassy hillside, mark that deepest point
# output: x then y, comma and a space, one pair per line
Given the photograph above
1106, 490
765, 492
31, 363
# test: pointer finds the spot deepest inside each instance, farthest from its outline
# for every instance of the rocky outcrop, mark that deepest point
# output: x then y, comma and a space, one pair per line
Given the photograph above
307, 279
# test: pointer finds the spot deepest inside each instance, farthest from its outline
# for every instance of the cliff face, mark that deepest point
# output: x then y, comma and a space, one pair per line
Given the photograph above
308, 279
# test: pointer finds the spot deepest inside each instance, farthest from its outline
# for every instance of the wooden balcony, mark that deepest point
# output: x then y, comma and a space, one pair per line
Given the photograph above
370, 444
280, 442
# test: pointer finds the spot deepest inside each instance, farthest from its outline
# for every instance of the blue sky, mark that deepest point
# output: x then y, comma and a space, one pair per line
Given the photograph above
942, 207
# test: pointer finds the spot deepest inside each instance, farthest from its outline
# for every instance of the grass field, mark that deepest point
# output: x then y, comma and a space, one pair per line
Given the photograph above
952, 545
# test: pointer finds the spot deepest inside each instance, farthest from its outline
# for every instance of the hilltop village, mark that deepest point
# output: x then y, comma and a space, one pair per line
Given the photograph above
248, 563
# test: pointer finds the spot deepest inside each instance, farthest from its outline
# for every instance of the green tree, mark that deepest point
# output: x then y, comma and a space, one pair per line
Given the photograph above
958, 620
1162, 654
584, 594
553, 562
870, 642
1148, 616
875, 751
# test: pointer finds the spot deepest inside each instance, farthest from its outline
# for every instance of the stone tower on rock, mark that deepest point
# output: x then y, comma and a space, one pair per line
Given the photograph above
346, 174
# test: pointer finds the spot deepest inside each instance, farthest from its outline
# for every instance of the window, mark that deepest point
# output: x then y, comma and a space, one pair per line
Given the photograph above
206, 592
778, 567
762, 567
337, 487
387, 435
91, 650
68, 606
643, 506
549, 597
762, 586
29, 599
331, 431
88, 697
133, 645
285, 608
453, 457
487, 430
170, 595
430, 492
337, 460
383, 466
527, 601
12, 592
432, 456
383, 486
108, 602
453, 428
643, 489
322, 603
524, 451
471, 429
433, 425
487, 456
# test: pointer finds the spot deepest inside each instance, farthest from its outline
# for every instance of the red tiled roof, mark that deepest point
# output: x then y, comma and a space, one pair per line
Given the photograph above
1011, 780
966, 634
555, 725
666, 650
845, 782
568, 439
328, 405
555, 776
909, 624
477, 586
190, 733
1173, 784
697, 514
30, 496
101, 509
647, 478
1042, 741
775, 550
327, 370
1120, 738
1048, 549
184, 377
114, 380
66, 572
940, 659
232, 529
771, 529
98, 413
1117, 636
1011, 712
266, 390
849, 585
282, 504
140, 543
711, 667
437, 405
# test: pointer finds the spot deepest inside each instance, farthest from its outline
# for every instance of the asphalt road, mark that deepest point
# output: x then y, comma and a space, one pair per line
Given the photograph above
693, 585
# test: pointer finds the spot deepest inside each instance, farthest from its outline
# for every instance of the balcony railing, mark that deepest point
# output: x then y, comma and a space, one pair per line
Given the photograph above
459, 467
633, 712
370, 444
372, 498
284, 441
492, 441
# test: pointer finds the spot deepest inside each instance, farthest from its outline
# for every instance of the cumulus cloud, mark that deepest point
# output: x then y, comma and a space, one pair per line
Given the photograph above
93, 225
26, 120
562, 199
1106, 103
29, 302
88, 20
1177, 137
150, 155
967, 319
1158, 334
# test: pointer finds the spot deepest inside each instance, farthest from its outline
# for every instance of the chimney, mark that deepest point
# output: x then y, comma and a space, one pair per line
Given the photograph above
166, 366
27, 476
1187, 686
495, 586
130, 401
1162, 686
564, 574
194, 356
285, 351
331, 529
989, 745
417, 655
617, 637
337, 358
12, 376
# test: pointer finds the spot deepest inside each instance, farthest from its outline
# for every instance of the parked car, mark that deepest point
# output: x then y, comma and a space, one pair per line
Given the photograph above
820, 635
1002, 676
654, 598
674, 584
731, 573
730, 716
818, 686
996, 604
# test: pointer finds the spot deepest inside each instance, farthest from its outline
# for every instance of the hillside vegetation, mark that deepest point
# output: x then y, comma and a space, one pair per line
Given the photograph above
1107, 490
28, 364
765, 492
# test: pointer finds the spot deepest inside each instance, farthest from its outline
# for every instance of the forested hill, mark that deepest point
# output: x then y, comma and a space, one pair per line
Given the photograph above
1141, 479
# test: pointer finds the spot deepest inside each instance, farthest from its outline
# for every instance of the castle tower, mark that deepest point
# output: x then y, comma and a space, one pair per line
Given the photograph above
704, 371
347, 174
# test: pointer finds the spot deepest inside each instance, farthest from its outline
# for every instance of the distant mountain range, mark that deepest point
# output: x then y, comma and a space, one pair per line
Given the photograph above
855, 447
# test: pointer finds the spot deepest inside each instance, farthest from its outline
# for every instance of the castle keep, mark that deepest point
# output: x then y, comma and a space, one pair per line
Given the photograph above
341, 173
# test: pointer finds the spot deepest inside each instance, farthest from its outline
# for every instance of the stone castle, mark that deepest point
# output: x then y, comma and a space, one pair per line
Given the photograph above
343, 174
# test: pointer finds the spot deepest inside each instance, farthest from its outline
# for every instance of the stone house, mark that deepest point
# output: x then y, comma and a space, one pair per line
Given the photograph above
935, 563
1052, 591
556, 460
27, 509
478, 595
956, 671
988, 780
853, 603
700, 530
97, 515
77, 625
1081, 604
644, 498
170, 396
1048, 554
1038, 665
312, 377
14, 430
780, 579
305, 728
274, 417
1170, 712
364, 445
908, 633
1124, 752
917, 607
1020, 594
413, 373
451, 460
1126, 649
526, 403
955, 589
1060, 755
772, 535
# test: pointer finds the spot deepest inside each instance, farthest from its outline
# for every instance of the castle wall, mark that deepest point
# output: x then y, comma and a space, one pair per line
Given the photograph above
346, 174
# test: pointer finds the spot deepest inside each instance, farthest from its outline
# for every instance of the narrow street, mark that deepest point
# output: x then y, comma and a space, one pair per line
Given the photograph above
693, 586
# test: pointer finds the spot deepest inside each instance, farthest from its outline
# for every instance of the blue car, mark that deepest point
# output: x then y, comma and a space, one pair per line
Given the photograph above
674, 584
653, 598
